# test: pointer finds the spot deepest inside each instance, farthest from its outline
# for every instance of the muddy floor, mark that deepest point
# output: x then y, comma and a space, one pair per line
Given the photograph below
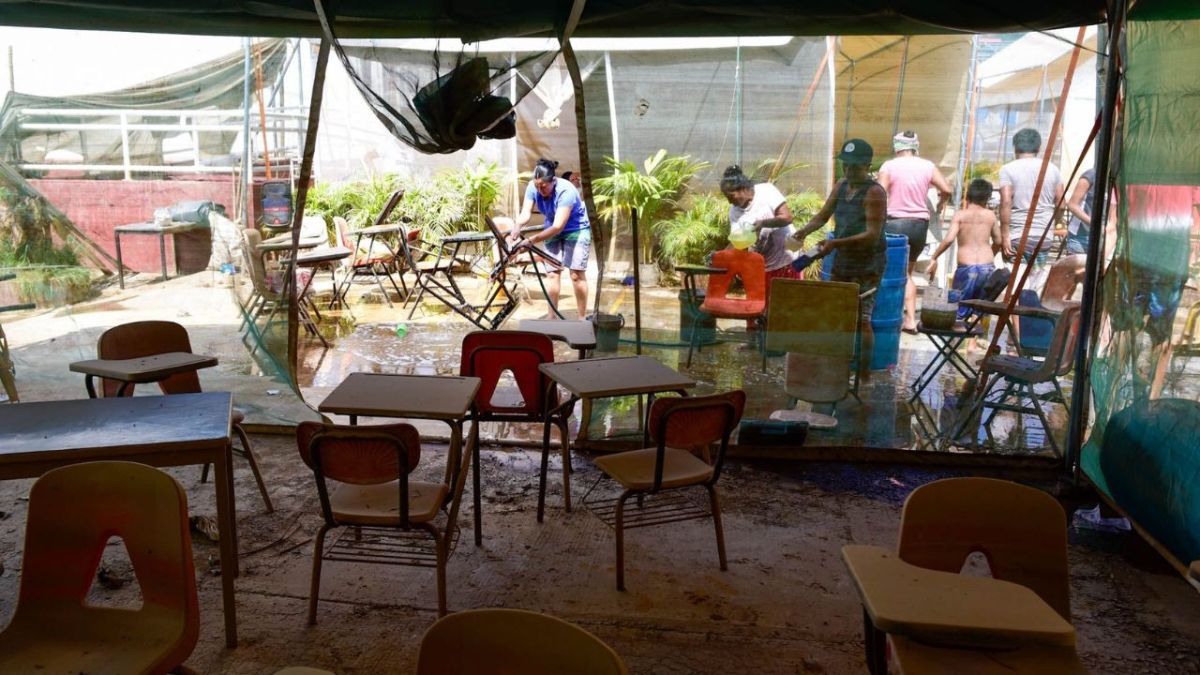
786, 604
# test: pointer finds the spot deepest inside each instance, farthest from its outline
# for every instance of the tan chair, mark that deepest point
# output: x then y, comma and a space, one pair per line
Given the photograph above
1021, 531
147, 338
683, 429
73, 512
493, 641
374, 494
816, 323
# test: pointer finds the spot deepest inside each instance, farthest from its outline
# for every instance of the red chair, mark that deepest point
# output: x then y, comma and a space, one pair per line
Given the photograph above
684, 429
488, 355
751, 269
147, 338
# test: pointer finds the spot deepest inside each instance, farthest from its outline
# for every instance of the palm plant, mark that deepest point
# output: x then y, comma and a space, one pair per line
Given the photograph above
655, 191
701, 228
481, 185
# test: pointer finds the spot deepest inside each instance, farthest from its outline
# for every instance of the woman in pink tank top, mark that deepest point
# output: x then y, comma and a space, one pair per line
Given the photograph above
907, 178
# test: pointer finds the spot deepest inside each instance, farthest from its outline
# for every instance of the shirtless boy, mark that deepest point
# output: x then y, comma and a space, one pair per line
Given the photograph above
977, 232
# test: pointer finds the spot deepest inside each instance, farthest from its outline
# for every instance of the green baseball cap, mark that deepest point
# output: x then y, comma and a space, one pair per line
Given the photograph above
856, 151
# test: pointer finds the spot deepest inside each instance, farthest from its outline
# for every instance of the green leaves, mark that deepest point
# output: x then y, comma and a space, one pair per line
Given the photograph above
656, 191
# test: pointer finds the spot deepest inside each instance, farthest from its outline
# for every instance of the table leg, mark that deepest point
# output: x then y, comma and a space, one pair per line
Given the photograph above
91, 386
120, 265
227, 526
162, 253
876, 646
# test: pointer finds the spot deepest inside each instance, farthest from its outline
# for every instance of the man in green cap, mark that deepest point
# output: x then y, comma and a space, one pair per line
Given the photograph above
858, 206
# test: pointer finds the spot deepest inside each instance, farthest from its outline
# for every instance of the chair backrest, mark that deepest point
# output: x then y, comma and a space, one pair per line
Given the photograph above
251, 238
749, 266
1035, 333
147, 338
488, 354
1020, 530
501, 240
695, 423
492, 641
1061, 281
360, 456
1059, 355
816, 323
73, 513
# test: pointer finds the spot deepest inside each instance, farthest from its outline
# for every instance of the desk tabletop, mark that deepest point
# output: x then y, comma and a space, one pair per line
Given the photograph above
951, 608
464, 237
155, 228
700, 269
435, 397
999, 308
91, 427
285, 244
577, 334
616, 376
322, 256
146, 368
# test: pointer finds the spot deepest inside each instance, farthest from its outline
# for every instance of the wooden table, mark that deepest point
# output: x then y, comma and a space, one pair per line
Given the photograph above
430, 397
579, 335
616, 376
140, 370
948, 608
153, 229
177, 430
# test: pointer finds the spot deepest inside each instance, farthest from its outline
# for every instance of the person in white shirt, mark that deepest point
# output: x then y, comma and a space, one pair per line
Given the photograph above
1018, 179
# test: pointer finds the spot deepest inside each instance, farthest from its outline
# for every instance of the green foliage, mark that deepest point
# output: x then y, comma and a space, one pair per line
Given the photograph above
656, 191
989, 171
701, 228
805, 205
764, 170
440, 205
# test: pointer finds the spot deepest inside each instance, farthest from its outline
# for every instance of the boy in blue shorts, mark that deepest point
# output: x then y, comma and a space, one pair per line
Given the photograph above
977, 231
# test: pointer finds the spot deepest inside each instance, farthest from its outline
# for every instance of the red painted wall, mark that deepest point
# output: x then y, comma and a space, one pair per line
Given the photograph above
98, 206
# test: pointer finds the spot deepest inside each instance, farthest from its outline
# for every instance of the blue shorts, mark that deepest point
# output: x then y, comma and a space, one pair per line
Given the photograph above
968, 284
571, 249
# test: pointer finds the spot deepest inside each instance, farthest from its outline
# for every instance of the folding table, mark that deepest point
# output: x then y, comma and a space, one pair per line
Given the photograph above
152, 229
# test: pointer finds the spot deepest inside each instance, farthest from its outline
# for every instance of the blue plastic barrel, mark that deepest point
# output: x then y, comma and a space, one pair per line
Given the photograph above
887, 316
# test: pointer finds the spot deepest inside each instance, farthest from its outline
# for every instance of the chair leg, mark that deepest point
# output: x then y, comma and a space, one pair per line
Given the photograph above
566, 466
478, 496
716, 516
443, 544
541, 510
620, 527
314, 589
875, 642
204, 473
692, 341
248, 453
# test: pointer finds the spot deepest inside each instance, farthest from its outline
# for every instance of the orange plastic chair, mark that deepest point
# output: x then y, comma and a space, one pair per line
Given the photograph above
683, 428
1021, 531
371, 467
488, 355
496, 641
73, 512
751, 269
147, 338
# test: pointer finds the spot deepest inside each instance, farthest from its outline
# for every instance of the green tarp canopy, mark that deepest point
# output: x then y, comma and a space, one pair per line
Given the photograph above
482, 19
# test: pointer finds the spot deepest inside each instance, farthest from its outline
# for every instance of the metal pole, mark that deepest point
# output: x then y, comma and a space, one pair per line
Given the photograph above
737, 104
967, 104
637, 285
612, 107
900, 85
12, 73
247, 165
585, 165
831, 45
1088, 313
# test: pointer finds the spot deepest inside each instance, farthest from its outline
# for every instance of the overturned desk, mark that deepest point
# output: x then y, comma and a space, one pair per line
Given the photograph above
152, 229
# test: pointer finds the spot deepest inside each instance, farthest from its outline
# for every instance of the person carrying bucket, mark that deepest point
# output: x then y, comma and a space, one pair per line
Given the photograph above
759, 216
857, 205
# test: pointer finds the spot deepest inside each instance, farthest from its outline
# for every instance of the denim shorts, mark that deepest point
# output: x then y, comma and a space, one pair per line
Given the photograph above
571, 249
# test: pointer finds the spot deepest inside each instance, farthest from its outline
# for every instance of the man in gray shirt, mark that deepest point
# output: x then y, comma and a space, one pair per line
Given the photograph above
1018, 179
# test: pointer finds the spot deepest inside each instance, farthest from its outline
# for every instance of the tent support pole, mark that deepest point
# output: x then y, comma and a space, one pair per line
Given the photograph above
585, 165
306, 163
1088, 313
900, 86
637, 286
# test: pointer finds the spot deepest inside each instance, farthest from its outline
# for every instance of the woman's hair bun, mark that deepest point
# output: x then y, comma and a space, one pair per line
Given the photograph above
733, 170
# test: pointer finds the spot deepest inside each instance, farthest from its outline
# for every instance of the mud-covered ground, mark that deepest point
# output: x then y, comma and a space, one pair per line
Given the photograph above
786, 605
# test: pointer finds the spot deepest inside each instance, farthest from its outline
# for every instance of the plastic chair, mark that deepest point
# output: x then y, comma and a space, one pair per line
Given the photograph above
488, 355
751, 269
1020, 375
493, 641
73, 512
816, 323
1021, 531
147, 338
682, 428
374, 492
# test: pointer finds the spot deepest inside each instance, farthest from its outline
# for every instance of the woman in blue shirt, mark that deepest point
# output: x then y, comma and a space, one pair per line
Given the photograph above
567, 234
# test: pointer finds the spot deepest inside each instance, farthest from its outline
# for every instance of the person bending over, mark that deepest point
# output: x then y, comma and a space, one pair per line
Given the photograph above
566, 235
